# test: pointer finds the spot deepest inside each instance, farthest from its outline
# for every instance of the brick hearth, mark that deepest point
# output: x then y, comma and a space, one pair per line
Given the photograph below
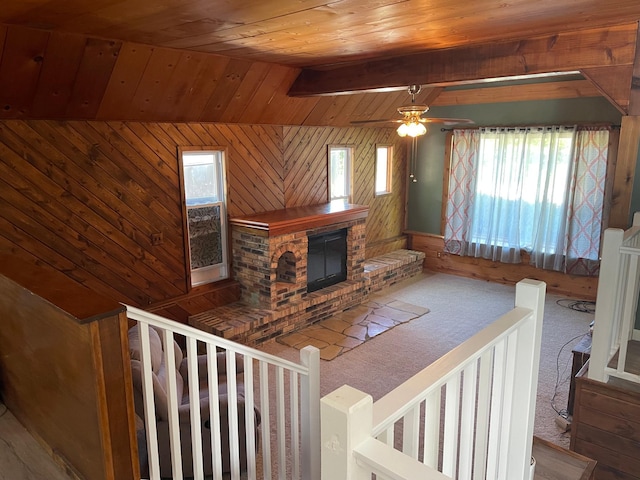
270, 263
249, 325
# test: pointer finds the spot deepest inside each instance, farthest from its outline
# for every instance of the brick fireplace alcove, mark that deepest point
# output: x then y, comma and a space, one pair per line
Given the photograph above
270, 263
270, 251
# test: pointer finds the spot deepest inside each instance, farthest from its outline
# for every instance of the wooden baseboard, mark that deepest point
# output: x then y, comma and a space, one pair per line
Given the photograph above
436, 259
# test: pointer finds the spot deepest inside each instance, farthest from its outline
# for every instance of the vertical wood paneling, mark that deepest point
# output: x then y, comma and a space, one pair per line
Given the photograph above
147, 101
58, 76
194, 105
271, 98
3, 36
93, 75
127, 74
318, 112
24, 50
185, 75
242, 100
226, 88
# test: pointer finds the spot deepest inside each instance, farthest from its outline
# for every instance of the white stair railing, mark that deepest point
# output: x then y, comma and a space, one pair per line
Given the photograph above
616, 304
286, 394
469, 415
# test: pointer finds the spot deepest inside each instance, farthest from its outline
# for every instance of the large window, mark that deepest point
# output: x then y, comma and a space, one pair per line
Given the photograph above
340, 172
537, 190
203, 182
383, 169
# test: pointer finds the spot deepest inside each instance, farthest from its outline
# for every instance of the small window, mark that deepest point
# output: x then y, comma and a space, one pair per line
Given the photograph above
340, 172
205, 215
383, 169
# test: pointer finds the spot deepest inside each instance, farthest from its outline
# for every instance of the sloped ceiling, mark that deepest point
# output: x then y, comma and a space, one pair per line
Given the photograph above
299, 63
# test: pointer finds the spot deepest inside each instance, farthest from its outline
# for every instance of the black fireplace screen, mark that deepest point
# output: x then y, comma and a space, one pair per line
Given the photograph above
327, 259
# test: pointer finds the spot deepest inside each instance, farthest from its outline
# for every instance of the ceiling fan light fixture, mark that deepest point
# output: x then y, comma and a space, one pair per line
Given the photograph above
412, 129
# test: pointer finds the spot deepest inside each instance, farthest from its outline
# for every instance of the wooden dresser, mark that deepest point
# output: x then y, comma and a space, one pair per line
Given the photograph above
606, 426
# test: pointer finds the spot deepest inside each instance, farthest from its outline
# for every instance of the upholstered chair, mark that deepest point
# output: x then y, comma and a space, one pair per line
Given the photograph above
160, 373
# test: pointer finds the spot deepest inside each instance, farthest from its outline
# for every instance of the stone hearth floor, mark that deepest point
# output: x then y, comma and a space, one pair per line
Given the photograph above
345, 331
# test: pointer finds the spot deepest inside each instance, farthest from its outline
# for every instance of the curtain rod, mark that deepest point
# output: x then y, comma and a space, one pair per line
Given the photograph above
443, 129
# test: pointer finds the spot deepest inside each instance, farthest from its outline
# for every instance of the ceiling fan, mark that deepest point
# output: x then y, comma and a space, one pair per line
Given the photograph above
412, 121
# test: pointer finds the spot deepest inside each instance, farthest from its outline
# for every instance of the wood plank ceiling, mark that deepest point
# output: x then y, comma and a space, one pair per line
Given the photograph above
241, 61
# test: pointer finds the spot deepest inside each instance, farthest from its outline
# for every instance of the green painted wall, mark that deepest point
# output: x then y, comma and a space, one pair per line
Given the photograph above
425, 196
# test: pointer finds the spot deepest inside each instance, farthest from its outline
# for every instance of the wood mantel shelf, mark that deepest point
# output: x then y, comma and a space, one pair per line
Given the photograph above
289, 220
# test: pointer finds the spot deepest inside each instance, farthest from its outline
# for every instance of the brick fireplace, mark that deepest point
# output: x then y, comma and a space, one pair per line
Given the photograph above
270, 252
270, 263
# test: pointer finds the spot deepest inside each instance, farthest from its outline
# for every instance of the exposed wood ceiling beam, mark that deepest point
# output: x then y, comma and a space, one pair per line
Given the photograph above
570, 51
634, 94
614, 83
518, 93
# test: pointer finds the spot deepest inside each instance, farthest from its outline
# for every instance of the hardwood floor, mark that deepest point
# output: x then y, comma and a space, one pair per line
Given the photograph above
21, 456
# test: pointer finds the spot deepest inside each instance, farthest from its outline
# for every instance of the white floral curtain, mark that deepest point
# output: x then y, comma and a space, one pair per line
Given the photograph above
538, 190
462, 176
586, 207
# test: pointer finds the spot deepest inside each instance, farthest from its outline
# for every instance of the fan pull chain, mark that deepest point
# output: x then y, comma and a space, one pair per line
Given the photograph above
412, 160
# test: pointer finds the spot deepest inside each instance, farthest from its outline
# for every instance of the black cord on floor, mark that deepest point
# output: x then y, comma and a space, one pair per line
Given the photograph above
562, 412
578, 305
3, 409
583, 306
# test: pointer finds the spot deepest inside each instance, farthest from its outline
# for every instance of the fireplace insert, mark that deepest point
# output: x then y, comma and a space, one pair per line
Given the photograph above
327, 259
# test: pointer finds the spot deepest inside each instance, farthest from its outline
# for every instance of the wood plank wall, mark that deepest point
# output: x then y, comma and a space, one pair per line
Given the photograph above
64, 373
437, 260
55, 75
306, 177
85, 197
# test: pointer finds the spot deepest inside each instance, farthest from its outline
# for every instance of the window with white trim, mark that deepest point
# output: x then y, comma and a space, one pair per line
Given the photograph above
384, 154
340, 172
205, 214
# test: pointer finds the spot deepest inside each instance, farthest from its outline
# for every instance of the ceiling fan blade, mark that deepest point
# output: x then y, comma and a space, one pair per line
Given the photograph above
412, 112
448, 121
364, 122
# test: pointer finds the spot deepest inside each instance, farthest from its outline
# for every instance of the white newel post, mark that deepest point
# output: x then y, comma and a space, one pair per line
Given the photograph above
530, 294
310, 414
347, 420
606, 304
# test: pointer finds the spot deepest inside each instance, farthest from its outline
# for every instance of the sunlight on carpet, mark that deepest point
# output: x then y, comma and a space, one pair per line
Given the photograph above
351, 328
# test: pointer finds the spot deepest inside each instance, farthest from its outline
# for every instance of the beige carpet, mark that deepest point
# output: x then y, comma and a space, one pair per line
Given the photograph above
459, 307
350, 329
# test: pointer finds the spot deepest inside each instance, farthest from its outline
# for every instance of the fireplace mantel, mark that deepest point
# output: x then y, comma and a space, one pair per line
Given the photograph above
270, 251
290, 220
